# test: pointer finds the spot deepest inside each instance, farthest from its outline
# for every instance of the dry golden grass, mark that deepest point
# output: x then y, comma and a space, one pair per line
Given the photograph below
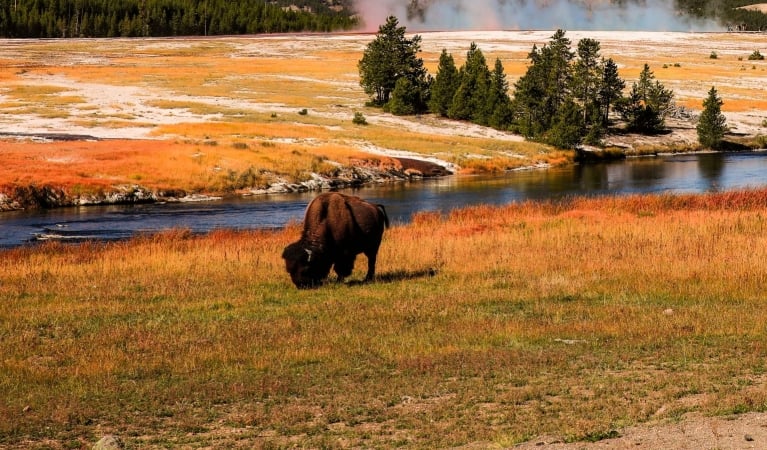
573, 319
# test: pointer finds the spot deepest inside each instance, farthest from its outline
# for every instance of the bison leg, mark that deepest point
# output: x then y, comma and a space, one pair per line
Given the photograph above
344, 266
371, 264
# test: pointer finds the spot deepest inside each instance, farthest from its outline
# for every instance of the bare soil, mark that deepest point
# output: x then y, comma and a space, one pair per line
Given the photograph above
746, 431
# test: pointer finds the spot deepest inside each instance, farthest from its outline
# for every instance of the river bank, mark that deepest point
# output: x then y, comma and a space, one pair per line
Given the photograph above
680, 138
124, 120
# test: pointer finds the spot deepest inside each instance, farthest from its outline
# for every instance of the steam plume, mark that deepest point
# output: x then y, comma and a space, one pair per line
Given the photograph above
426, 15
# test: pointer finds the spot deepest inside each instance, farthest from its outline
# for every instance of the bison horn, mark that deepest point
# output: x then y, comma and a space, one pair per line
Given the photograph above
309, 253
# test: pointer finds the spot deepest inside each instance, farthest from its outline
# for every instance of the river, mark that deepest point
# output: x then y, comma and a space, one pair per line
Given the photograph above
678, 174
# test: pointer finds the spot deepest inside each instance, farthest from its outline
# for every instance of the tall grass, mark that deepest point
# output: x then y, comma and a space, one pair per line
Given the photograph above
487, 324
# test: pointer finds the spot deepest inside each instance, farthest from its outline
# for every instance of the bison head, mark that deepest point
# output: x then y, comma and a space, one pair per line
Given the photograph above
307, 267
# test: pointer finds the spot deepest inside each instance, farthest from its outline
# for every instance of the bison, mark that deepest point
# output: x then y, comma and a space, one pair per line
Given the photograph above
337, 227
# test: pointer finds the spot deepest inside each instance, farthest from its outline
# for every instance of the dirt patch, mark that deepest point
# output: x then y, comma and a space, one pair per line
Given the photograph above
747, 431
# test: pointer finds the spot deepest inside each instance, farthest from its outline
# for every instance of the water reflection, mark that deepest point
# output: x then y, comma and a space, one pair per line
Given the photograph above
684, 173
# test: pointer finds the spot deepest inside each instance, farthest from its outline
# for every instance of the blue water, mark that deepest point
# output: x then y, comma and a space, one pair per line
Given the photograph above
678, 174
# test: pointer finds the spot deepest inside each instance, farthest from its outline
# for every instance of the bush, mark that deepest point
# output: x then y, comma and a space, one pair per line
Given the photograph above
756, 56
359, 119
303, 112
713, 55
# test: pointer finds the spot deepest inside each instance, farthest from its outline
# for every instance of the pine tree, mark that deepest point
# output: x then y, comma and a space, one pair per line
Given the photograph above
654, 95
544, 88
403, 99
712, 124
498, 101
470, 99
389, 57
445, 84
587, 80
567, 127
647, 104
611, 88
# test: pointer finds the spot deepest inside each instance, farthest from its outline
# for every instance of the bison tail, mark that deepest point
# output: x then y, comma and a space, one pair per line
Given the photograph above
385, 216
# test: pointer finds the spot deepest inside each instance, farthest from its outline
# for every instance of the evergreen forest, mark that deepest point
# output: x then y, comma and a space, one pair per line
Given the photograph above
155, 18
144, 18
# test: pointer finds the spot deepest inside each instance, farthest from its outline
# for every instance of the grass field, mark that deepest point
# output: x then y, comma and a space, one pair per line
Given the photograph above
486, 327
489, 326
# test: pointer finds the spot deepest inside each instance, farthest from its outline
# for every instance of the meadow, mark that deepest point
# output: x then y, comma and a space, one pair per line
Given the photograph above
487, 326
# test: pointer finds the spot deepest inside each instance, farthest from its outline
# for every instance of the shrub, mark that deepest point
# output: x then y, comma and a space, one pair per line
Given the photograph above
713, 55
756, 56
359, 119
303, 112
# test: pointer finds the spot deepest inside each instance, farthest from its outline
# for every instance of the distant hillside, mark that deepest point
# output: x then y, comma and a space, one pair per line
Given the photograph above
728, 12
134, 18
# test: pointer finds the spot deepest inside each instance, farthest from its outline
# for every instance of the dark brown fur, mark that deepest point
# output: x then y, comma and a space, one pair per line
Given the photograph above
337, 227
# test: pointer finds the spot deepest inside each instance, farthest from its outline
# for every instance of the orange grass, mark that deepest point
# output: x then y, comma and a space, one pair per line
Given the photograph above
193, 166
573, 318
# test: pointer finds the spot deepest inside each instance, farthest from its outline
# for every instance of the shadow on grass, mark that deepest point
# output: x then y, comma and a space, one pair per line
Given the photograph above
397, 275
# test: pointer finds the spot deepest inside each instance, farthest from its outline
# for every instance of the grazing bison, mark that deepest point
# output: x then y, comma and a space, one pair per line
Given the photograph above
337, 228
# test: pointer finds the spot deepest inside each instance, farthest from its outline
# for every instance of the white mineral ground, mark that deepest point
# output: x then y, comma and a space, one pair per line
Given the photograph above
137, 102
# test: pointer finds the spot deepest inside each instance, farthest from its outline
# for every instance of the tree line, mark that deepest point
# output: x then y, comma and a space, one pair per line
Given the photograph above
565, 98
144, 18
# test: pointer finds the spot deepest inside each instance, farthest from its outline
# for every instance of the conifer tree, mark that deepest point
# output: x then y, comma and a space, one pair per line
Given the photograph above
403, 99
587, 80
445, 84
470, 99
389, 57
648, 103
611, 88
567, 128
498, 101
712, 124
544, 88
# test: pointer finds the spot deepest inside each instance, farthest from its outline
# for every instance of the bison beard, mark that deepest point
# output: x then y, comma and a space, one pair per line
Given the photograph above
337, 227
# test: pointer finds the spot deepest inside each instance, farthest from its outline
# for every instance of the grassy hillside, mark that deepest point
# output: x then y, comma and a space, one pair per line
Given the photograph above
491, 325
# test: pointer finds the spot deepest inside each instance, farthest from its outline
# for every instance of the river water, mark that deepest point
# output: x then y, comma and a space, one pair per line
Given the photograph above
677, 174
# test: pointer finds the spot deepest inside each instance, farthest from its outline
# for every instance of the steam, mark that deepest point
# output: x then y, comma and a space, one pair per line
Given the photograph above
430, 15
